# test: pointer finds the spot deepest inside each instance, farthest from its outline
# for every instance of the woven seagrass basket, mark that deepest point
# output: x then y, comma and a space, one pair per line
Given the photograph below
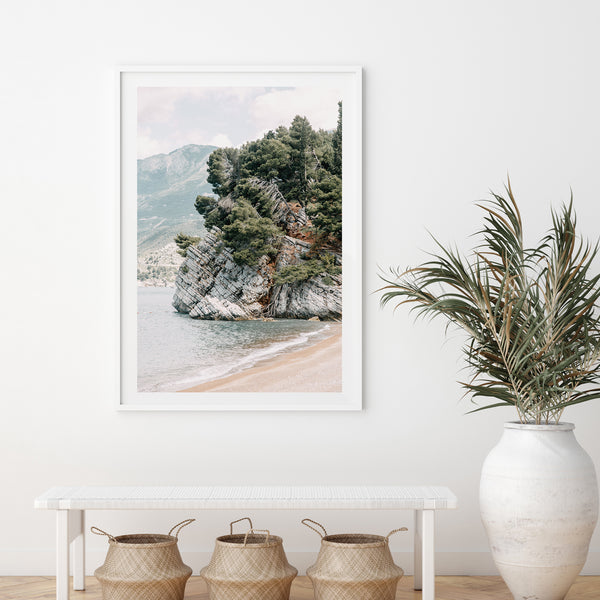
249, 567
143, 566
354, 566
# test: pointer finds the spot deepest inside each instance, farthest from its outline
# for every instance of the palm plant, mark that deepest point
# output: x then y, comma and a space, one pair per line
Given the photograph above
530, 313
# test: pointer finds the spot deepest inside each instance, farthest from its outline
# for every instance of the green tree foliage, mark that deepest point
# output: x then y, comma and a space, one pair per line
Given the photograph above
224, 170
337, 144
204, 204
259, 199
326, 209
184, 242
250, 235
323, 265
301, 272
213, 211
300, 162
323, 151
267, 158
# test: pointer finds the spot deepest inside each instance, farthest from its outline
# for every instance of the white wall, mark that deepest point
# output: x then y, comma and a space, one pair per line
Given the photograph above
456, 94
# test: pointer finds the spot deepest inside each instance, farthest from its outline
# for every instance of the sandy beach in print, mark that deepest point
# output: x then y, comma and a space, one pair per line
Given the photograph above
316, 368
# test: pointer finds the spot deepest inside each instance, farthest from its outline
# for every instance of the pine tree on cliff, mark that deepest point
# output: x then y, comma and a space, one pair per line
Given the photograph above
326, 209
267, 158
257, 185
337, 144
184, 241
302, 162
250, 235
224, 170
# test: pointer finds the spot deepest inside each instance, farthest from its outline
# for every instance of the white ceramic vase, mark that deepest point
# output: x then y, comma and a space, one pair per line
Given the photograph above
539, 506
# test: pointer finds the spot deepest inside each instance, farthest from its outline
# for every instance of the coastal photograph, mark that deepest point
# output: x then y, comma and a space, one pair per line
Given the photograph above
239, 239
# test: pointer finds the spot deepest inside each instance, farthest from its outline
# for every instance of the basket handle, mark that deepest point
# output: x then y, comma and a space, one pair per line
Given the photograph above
242, 519
255, 530
307, 521
393, 531
100, 532
180, 526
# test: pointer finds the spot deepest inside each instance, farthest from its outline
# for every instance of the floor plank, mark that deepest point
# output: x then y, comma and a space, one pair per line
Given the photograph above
13, 581
447, 588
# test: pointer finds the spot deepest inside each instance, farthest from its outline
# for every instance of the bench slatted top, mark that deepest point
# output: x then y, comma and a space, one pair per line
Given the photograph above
247, 497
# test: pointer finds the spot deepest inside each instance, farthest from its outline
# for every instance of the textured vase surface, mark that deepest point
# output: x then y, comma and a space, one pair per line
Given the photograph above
539, 506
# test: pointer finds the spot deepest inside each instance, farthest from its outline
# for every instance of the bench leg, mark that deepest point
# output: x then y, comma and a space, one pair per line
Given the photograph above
418, 551
424, 553
77, 534
62, 555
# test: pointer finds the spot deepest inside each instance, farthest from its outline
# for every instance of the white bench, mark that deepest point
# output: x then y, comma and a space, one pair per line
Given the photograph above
70, 504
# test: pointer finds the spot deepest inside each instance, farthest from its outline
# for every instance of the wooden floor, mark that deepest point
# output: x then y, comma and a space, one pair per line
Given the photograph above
447, 588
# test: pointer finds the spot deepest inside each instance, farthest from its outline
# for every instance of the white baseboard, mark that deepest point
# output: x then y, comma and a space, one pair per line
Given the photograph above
42, 562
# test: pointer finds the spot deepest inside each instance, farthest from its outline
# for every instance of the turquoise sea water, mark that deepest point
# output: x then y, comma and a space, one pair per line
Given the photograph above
176, 352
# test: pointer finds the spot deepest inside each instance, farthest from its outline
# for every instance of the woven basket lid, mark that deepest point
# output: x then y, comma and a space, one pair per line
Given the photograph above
143, 540
350, 540
354, 540
253, 540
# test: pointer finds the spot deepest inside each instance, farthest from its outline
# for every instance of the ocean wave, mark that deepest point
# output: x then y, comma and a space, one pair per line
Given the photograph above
255, 356
175, 352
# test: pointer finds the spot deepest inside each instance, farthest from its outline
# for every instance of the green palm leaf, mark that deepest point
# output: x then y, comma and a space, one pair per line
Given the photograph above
530, 312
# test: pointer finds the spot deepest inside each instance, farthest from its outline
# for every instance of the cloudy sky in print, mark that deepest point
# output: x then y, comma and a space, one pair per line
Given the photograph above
171, 117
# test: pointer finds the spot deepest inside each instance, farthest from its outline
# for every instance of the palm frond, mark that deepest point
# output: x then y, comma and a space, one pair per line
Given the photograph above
530, 312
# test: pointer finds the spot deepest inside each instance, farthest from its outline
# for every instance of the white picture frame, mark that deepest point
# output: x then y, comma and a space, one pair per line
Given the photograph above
346, 78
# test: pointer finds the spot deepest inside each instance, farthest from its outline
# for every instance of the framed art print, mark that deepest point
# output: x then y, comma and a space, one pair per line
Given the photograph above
240, 217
